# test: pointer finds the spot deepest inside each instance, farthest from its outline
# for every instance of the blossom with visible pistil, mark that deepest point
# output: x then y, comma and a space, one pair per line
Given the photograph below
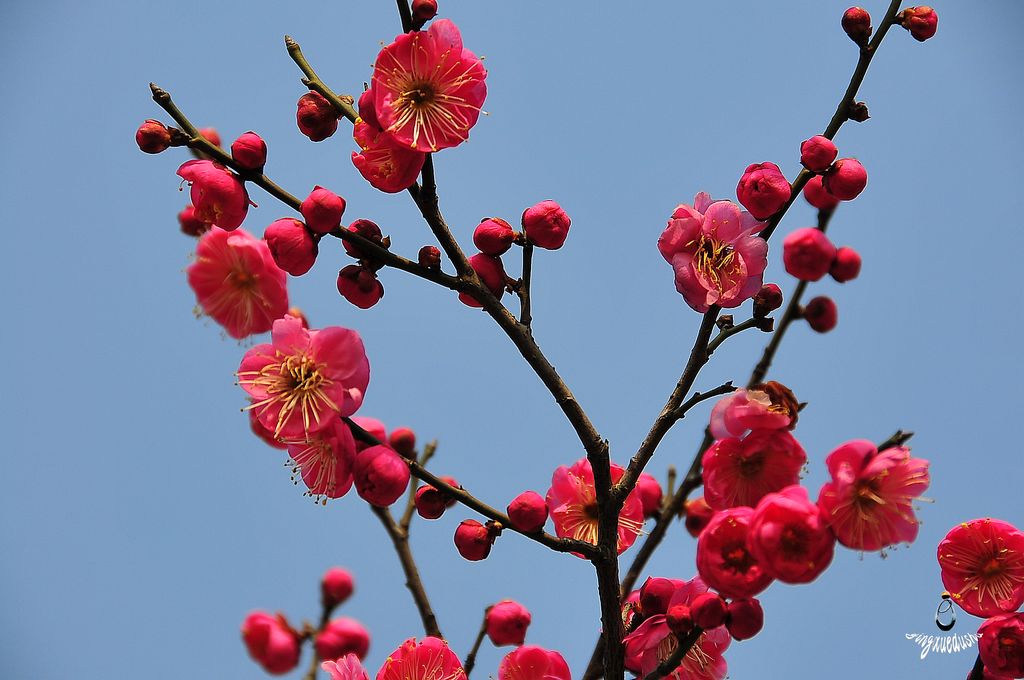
713, 249
982, 563
572, 499
1001, 645
428, 89
531, 662
383, 162
346, 668
723, 559
740, 472
430, 659
868, 503
506, 623
237, 283
767, 406
303, 380
324, 460
789, 536
218, 196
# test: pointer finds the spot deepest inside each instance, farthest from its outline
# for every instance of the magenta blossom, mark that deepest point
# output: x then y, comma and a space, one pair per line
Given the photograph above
724, 560
768, 406
789, 536
324, 461
428, 660
345, 668
428, 89
218, 195
383, 162
531, 662
740, 472
716, 256
305, 379
982, 566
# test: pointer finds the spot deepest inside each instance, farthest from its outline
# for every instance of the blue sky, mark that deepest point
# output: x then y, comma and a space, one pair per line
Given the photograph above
140, 519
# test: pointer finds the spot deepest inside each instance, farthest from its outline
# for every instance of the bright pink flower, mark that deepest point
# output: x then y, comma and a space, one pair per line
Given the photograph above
650, 494
322, 210
428, 89
814, 192
528, 511
491, 273
716, 256
263, 433
271, 642
359, 285
381, 476
346, 668
573, 503
153, 136
304, 380
821, 313
493, 236
723, 559
249, 151
474, 540
546, 225
383, 162
340, 637
982, 563
531, 662
336, 586
740, 472
845, 179
653, 642
293, 247
366, 108
237, 283
818, 152
768, 406
1002, 645
316, 117
808, 253
507, 622
846, 266
324, 461
428, 660
789, 536
218, 195
868, 502
922, 22
763, 190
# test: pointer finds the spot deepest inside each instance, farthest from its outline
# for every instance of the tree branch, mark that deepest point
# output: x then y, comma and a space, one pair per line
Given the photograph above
410, 503
412, 575
342, 103
471, 656
525, 316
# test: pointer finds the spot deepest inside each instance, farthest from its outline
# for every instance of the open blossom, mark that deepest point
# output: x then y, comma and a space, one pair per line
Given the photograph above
982, 563
304, 379
383, 162
346, 668
713, 249
1001, 645
573, 503
218, 196
531, 662
427, 660
740, 472
428, 89
723, 558
653, 642
868, 503
324, 461
237, 283
789, 536
768, 406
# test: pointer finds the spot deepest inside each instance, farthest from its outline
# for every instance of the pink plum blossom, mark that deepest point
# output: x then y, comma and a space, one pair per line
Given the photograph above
768, 406
531, 662
237, 283
383, 162
345, 668
303, 380
716, 256
573, 503
1001, 645
982, 565
723, 559
740, 472
430, 659
428, 89
218, 194
324, 460
789, 536
868, 503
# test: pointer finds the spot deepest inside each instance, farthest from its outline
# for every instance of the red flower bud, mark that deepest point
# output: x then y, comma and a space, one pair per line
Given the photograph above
767, 300
291, 245
316, 117
493, 236
430, 502
817, 153
153, 136
340, 637
763, 190
403, 440
745, 618
249, 151
211, 135
708, 610
922, 22
368, 230
528, 511
650, 494
430, 257
546, 225
271, 642
360, 286
846, 179
679, 619
424, 10
821, 314
322, 210
807, 254
336, 586
507, 622
491, 272
190, 224
846, 266
698, 514
655, 595
473, 540
381, 476
857, 24
814, 192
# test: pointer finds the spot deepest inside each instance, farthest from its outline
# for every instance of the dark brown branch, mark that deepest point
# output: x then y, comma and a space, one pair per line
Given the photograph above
471, 656
525, 315
341, 103
406, 15
727, 333
698, 397
412, 575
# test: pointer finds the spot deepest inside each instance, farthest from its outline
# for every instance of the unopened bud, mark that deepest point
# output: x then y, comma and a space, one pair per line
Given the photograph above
403, 440
424, 10
506, 623
336, 586
679, 619
429, 257
807, 254
473, 540
698, 515
153, 136
491, 273
846, 266
381, 476
846, 179
190, 224
763, 190
821, 314
322, 210
360, 286
857, 24
249, 151
316, 117
767, 300
708, 610
816, 195
745, 618
817, 153
493, 236
922, 22
546, 225
528, 512
368, 230
293, 248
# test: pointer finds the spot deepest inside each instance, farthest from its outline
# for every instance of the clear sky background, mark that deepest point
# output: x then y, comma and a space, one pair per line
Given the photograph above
140, 520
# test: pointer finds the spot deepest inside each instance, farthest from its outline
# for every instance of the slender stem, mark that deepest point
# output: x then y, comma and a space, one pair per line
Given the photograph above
412, 575
525, 316
724, 335
425, 197
675, 658
471, 656
342, 103
410, 503
698, 397
978, 672
406, 15
326, 607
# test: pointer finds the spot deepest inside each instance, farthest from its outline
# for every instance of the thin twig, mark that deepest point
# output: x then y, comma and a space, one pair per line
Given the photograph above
412, 575
525, 315
342, 103
727, 333
698, 397
471, 656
